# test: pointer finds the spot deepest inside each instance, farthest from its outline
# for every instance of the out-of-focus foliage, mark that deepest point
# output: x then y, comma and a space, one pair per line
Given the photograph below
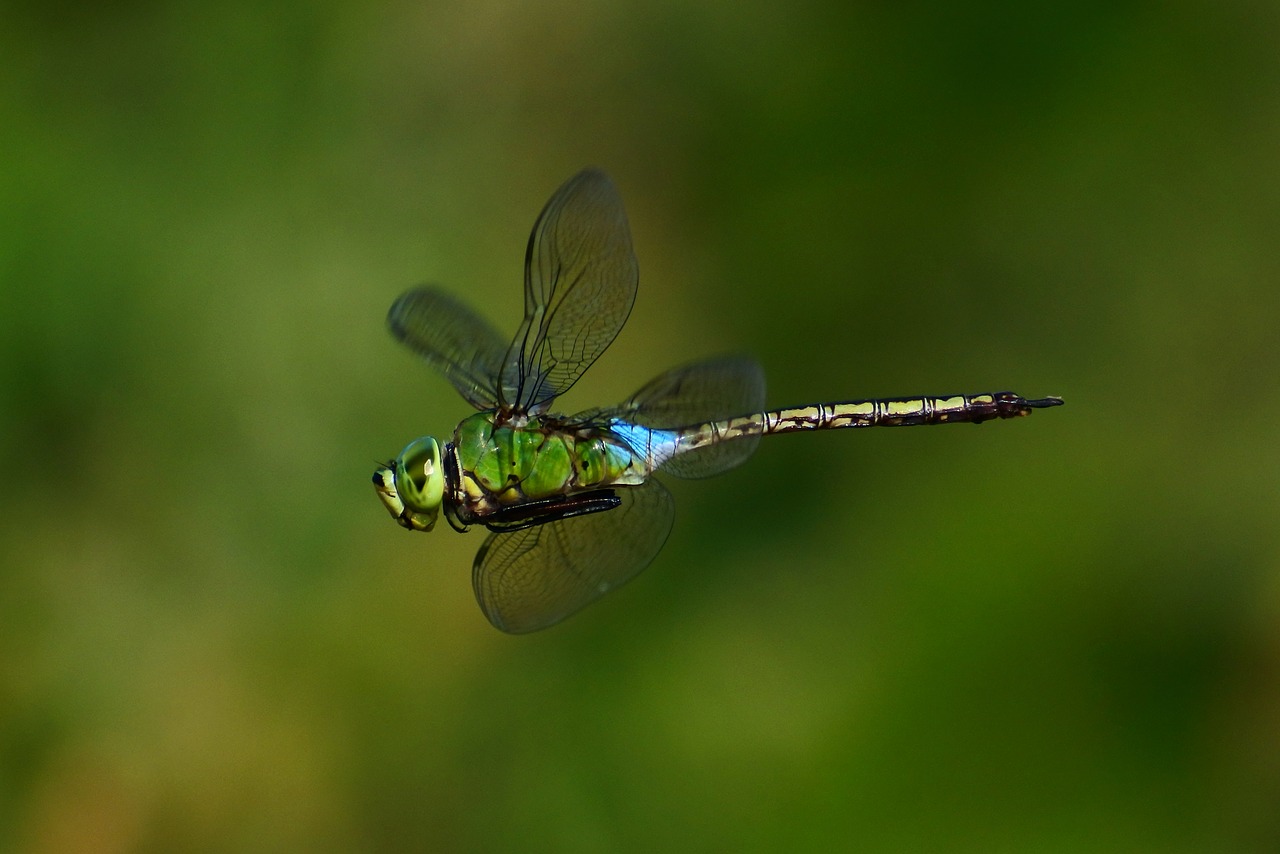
1057, 634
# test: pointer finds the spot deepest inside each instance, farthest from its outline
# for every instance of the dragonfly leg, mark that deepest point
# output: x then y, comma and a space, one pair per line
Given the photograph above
542, 511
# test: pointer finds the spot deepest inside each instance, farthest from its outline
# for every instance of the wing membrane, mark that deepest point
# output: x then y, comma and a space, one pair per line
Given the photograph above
535, 577
711, 390
452, 339
580, 282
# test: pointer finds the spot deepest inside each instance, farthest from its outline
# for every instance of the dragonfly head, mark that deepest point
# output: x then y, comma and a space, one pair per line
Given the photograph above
411, 486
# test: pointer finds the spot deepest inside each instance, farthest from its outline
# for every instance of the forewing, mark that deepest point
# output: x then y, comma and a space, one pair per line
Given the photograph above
579, 286
711, 390
535, 577
453, 339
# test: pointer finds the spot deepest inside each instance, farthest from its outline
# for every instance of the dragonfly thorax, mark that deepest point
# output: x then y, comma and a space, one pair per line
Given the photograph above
501, 464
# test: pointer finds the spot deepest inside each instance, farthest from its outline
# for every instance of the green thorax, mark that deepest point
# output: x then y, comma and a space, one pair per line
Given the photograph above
537, 458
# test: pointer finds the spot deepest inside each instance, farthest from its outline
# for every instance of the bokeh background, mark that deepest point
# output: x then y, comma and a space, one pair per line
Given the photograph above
1055, 634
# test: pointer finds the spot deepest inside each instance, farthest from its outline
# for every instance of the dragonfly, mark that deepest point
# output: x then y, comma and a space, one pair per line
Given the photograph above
571, 503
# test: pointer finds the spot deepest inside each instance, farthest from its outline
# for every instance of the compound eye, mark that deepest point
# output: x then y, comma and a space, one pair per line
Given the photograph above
419, 477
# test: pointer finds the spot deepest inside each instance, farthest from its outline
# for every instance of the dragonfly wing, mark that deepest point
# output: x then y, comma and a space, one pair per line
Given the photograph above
579, 284
453, 339
711, 390
535, 577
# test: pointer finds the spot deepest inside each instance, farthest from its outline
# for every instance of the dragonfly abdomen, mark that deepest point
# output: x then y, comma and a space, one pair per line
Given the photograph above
886, 412
904, 412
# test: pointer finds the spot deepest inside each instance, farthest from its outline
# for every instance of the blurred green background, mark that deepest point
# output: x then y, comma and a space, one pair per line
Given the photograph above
1056, 634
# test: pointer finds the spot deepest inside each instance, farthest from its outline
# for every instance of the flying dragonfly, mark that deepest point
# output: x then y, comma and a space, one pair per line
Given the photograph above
571, 502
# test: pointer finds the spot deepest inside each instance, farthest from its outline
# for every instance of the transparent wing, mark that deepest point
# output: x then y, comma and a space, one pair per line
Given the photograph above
579, 284
452, 339
535, 577
711, 390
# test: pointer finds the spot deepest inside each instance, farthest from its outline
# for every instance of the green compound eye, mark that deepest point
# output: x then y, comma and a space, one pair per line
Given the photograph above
416, 491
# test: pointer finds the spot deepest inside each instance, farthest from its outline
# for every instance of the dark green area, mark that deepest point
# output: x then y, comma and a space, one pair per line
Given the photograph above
1054, 634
